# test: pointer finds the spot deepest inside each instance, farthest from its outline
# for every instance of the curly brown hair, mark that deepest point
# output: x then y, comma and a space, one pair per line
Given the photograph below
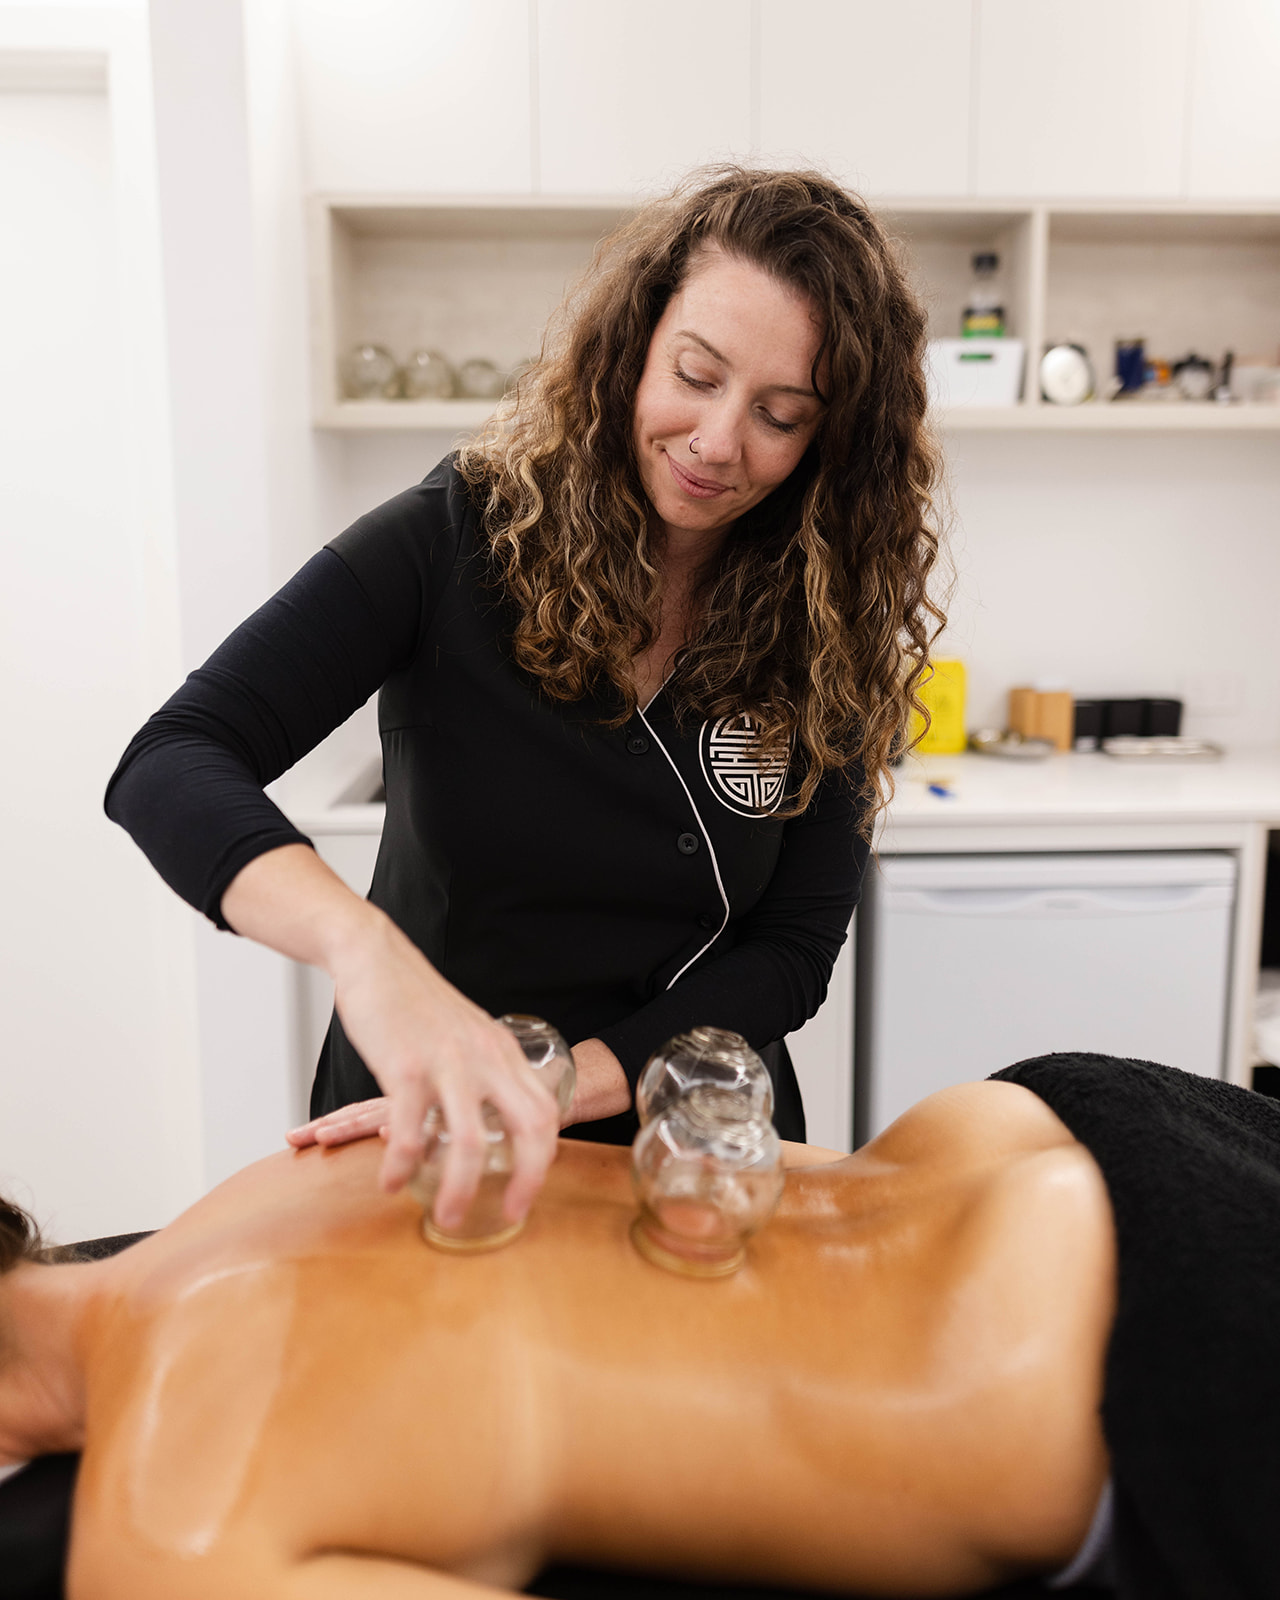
817, 616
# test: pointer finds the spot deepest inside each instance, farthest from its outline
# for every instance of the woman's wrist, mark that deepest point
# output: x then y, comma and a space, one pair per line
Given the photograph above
291, 901
352, 934
602, 1089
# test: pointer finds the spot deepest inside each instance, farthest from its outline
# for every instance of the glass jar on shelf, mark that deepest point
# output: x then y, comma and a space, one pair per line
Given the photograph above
479, 379
369, 372
428, 375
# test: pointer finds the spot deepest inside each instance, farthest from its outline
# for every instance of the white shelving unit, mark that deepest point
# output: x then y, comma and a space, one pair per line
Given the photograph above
480, 278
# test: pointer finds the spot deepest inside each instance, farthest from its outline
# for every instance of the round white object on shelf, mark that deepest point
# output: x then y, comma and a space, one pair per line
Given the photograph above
1066, 376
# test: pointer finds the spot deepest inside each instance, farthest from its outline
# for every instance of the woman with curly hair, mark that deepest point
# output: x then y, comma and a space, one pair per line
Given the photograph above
644, 650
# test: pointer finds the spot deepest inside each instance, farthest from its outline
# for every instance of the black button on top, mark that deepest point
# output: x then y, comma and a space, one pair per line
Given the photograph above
705, 921
687, 844
637, 744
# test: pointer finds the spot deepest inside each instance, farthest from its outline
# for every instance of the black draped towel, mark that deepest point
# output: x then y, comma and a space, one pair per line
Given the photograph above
1191, 1405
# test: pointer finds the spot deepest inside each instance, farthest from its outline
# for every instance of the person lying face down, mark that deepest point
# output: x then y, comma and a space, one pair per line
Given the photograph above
287, 1393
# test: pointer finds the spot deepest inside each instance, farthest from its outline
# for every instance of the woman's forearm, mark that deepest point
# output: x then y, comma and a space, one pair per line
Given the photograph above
425, 1043
291, 901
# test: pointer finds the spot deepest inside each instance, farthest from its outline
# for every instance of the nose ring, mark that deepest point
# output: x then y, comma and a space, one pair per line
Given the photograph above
693, 444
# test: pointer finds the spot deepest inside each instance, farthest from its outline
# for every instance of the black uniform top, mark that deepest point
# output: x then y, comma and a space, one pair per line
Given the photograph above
624, 883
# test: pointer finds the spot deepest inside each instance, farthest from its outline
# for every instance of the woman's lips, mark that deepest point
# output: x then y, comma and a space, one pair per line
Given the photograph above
699, 488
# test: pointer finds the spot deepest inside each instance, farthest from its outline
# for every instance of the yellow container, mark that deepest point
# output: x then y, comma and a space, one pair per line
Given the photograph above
943, 695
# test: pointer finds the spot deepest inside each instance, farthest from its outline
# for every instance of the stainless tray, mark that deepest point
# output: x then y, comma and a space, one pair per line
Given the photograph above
1009, 746
1158, 749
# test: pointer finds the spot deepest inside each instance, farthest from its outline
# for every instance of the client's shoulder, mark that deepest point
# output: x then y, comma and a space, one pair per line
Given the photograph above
974, 1122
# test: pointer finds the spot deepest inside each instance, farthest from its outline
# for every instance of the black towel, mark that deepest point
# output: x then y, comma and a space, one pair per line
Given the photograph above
35, 1518
1191, 1407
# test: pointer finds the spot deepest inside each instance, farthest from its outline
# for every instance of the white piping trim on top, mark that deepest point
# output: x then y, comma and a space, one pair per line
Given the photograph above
715, 865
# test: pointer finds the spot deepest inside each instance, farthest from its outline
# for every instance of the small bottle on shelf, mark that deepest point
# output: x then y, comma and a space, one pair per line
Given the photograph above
983, 315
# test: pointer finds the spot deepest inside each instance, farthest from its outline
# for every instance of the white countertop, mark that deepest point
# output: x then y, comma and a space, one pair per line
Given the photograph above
984, 790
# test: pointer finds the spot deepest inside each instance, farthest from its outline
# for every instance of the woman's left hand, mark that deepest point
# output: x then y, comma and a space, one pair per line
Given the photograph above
357, 1121
602, 1091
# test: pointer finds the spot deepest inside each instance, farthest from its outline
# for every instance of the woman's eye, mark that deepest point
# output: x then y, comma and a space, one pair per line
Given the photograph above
781, 427
694, 383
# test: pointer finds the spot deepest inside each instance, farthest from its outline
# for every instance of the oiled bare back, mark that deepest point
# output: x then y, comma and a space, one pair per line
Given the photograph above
899, 1391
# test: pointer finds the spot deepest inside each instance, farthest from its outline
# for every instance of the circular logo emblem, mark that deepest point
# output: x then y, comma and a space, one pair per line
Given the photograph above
738, 777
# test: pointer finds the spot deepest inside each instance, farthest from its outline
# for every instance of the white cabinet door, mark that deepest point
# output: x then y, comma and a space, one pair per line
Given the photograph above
877, 93
822, 1054
403, 97
1235, 100
629, 98
1081, 97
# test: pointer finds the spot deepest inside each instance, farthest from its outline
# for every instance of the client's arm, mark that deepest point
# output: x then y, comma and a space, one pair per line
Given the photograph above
338, 1575
334, 1575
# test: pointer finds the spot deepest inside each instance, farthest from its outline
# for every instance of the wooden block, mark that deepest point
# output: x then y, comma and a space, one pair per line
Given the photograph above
1022, 712
1056, 718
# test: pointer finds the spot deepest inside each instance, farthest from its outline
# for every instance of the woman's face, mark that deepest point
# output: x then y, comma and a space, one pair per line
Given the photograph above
725, 407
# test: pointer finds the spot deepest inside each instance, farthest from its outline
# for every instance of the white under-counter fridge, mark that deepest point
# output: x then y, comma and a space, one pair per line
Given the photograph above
969, 963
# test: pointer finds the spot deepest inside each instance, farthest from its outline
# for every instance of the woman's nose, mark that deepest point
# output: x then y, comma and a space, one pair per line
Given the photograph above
719, 436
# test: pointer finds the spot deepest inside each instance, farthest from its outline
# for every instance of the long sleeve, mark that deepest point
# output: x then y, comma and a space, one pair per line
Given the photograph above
189, 787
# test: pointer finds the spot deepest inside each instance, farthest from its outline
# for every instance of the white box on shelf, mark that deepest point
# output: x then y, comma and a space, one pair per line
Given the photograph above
974, 372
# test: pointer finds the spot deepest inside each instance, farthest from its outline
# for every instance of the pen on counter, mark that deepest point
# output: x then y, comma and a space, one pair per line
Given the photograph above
942, 792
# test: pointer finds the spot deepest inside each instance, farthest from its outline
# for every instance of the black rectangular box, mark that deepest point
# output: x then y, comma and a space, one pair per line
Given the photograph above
1123, 718
1088, 725
1162, 719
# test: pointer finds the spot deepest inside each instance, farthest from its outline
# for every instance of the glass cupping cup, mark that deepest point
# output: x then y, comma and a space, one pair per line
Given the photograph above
707, 1162
484, 1227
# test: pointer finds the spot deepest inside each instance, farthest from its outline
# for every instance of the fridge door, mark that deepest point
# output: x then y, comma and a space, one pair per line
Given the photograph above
968, 964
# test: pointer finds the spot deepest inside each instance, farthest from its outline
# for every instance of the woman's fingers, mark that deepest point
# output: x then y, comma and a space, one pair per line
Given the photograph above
532, 1120
371, 1116
407, 1108
464, 1157
356, 1121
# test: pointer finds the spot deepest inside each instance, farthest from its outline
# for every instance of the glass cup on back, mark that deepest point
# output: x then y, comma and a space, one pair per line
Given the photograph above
484, 1227
707, 1162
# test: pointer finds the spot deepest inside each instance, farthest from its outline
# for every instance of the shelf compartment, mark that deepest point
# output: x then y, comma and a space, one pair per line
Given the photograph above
1206, 282
937, 249
470, 280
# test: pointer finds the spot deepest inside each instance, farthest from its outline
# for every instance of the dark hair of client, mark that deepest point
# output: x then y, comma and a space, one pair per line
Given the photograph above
817, 617
19, 1237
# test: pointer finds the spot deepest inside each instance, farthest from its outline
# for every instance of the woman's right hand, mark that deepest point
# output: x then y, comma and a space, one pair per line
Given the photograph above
428, 1045
425, 1042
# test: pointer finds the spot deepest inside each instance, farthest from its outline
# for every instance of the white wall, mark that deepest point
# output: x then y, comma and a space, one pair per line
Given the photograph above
1122, 565
220, 381
99, 1122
